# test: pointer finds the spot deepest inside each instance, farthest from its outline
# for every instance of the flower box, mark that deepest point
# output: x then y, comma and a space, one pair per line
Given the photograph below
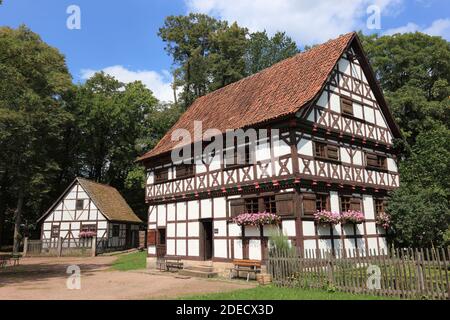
87, 234
351, 216
383, 220
257, 219
327, 217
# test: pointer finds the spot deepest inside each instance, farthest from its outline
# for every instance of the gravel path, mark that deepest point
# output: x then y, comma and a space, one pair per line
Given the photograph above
45, 278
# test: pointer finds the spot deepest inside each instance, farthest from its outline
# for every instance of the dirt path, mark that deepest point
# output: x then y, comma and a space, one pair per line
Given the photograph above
45, 278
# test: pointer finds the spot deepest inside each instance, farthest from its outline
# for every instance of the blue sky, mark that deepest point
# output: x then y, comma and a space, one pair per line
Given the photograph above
120, 37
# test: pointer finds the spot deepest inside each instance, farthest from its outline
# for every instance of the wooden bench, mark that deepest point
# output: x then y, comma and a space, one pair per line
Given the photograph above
249, 266
171, 263
4, 259
14, 260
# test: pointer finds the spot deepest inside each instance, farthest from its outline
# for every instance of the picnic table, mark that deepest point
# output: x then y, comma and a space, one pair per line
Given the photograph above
248, 266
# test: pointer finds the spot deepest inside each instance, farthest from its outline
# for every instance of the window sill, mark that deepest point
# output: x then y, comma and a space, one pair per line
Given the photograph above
327, 160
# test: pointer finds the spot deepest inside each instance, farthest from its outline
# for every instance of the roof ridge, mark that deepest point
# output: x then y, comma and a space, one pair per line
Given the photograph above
317, 47
95, 182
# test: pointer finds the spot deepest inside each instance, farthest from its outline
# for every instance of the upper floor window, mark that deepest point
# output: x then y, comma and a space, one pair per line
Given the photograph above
252, 205
376, 161
161, 175
346, 106
350, 203
88, 228
79, 205
326, 151
185, 170
321, 202
270, 204
55, 232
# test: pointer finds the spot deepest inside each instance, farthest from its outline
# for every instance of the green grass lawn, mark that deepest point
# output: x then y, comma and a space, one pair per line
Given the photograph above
131, 261
276, 293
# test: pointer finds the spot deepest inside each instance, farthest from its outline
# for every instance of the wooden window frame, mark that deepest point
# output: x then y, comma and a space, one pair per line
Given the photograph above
113, 230
252, 205
347, 106
323, 151
348, 202
270, 204
322, 202
381, 161
186, 171
88, 227
54, 233
161, 175
379, 203
79, 204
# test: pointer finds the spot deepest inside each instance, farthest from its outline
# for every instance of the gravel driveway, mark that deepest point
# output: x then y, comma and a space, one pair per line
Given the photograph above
45, 278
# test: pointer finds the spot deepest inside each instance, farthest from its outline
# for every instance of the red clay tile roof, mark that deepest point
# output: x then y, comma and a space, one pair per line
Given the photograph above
278, 91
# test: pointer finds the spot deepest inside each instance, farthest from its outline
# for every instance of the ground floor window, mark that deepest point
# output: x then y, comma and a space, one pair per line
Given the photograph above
115, 230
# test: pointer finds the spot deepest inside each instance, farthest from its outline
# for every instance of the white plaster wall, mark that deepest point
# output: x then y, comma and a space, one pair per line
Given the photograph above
392, 165
193, 248
181, 230
262, 151
181, 211
281, 148
162, 215
193, 210
171, 230
335, 103
358, 158
171, 212
170, 247
269, 230
334, 201
369, 211
181, 247
369, 114
221, 225
220, 248
193, 229
152, 214
150, 177
234, 230
254, 251
305, 147
206, 208
308, 228
288, 228
220, 207
238, 250
151, 249
252, 231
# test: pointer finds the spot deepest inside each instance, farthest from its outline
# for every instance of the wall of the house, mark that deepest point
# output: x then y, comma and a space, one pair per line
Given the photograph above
69, 220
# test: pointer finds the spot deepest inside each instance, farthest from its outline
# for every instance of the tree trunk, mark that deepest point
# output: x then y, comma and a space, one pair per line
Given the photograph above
2, 206
17, 222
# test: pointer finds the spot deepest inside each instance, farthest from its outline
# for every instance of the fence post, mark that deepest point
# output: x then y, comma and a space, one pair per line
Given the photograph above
60, 240
94, 247
420, 272
330, 268
25, 247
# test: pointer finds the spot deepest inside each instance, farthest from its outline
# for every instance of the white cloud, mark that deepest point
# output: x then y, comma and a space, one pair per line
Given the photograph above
440, 27
308, 22
159, 83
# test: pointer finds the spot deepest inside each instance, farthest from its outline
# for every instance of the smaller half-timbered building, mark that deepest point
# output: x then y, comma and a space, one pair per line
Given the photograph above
91, 210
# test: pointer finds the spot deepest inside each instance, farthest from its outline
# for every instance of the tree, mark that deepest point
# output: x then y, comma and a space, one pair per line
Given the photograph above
420, 208
207, 53
263, 52
34, 82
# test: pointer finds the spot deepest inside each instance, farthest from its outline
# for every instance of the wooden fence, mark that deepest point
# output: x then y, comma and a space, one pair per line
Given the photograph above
404, 273
58, 248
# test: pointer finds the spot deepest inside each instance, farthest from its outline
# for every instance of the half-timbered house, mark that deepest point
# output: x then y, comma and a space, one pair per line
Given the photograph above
335, 153
91, 210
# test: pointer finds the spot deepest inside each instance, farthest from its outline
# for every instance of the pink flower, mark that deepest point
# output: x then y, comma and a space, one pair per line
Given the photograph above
325, 217
87, 234
383, 220
352, 216
257, 219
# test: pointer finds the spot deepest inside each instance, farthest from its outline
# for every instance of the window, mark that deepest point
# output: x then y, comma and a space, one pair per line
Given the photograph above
376, 161
185, 170
161, 175
79, 205
270, 204
379, 206
346, 106
115, 230
326, 151
251, 205
309, 204
88, 228
321, 202
350, 203
55, 231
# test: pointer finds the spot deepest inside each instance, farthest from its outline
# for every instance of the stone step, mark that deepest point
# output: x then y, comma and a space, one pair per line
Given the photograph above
197, 274
201, 268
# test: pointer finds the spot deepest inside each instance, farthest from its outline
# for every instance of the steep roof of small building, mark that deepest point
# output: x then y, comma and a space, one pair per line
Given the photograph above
109, 201
278, 91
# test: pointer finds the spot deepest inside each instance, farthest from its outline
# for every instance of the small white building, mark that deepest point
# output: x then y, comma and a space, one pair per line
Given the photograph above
93, 209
